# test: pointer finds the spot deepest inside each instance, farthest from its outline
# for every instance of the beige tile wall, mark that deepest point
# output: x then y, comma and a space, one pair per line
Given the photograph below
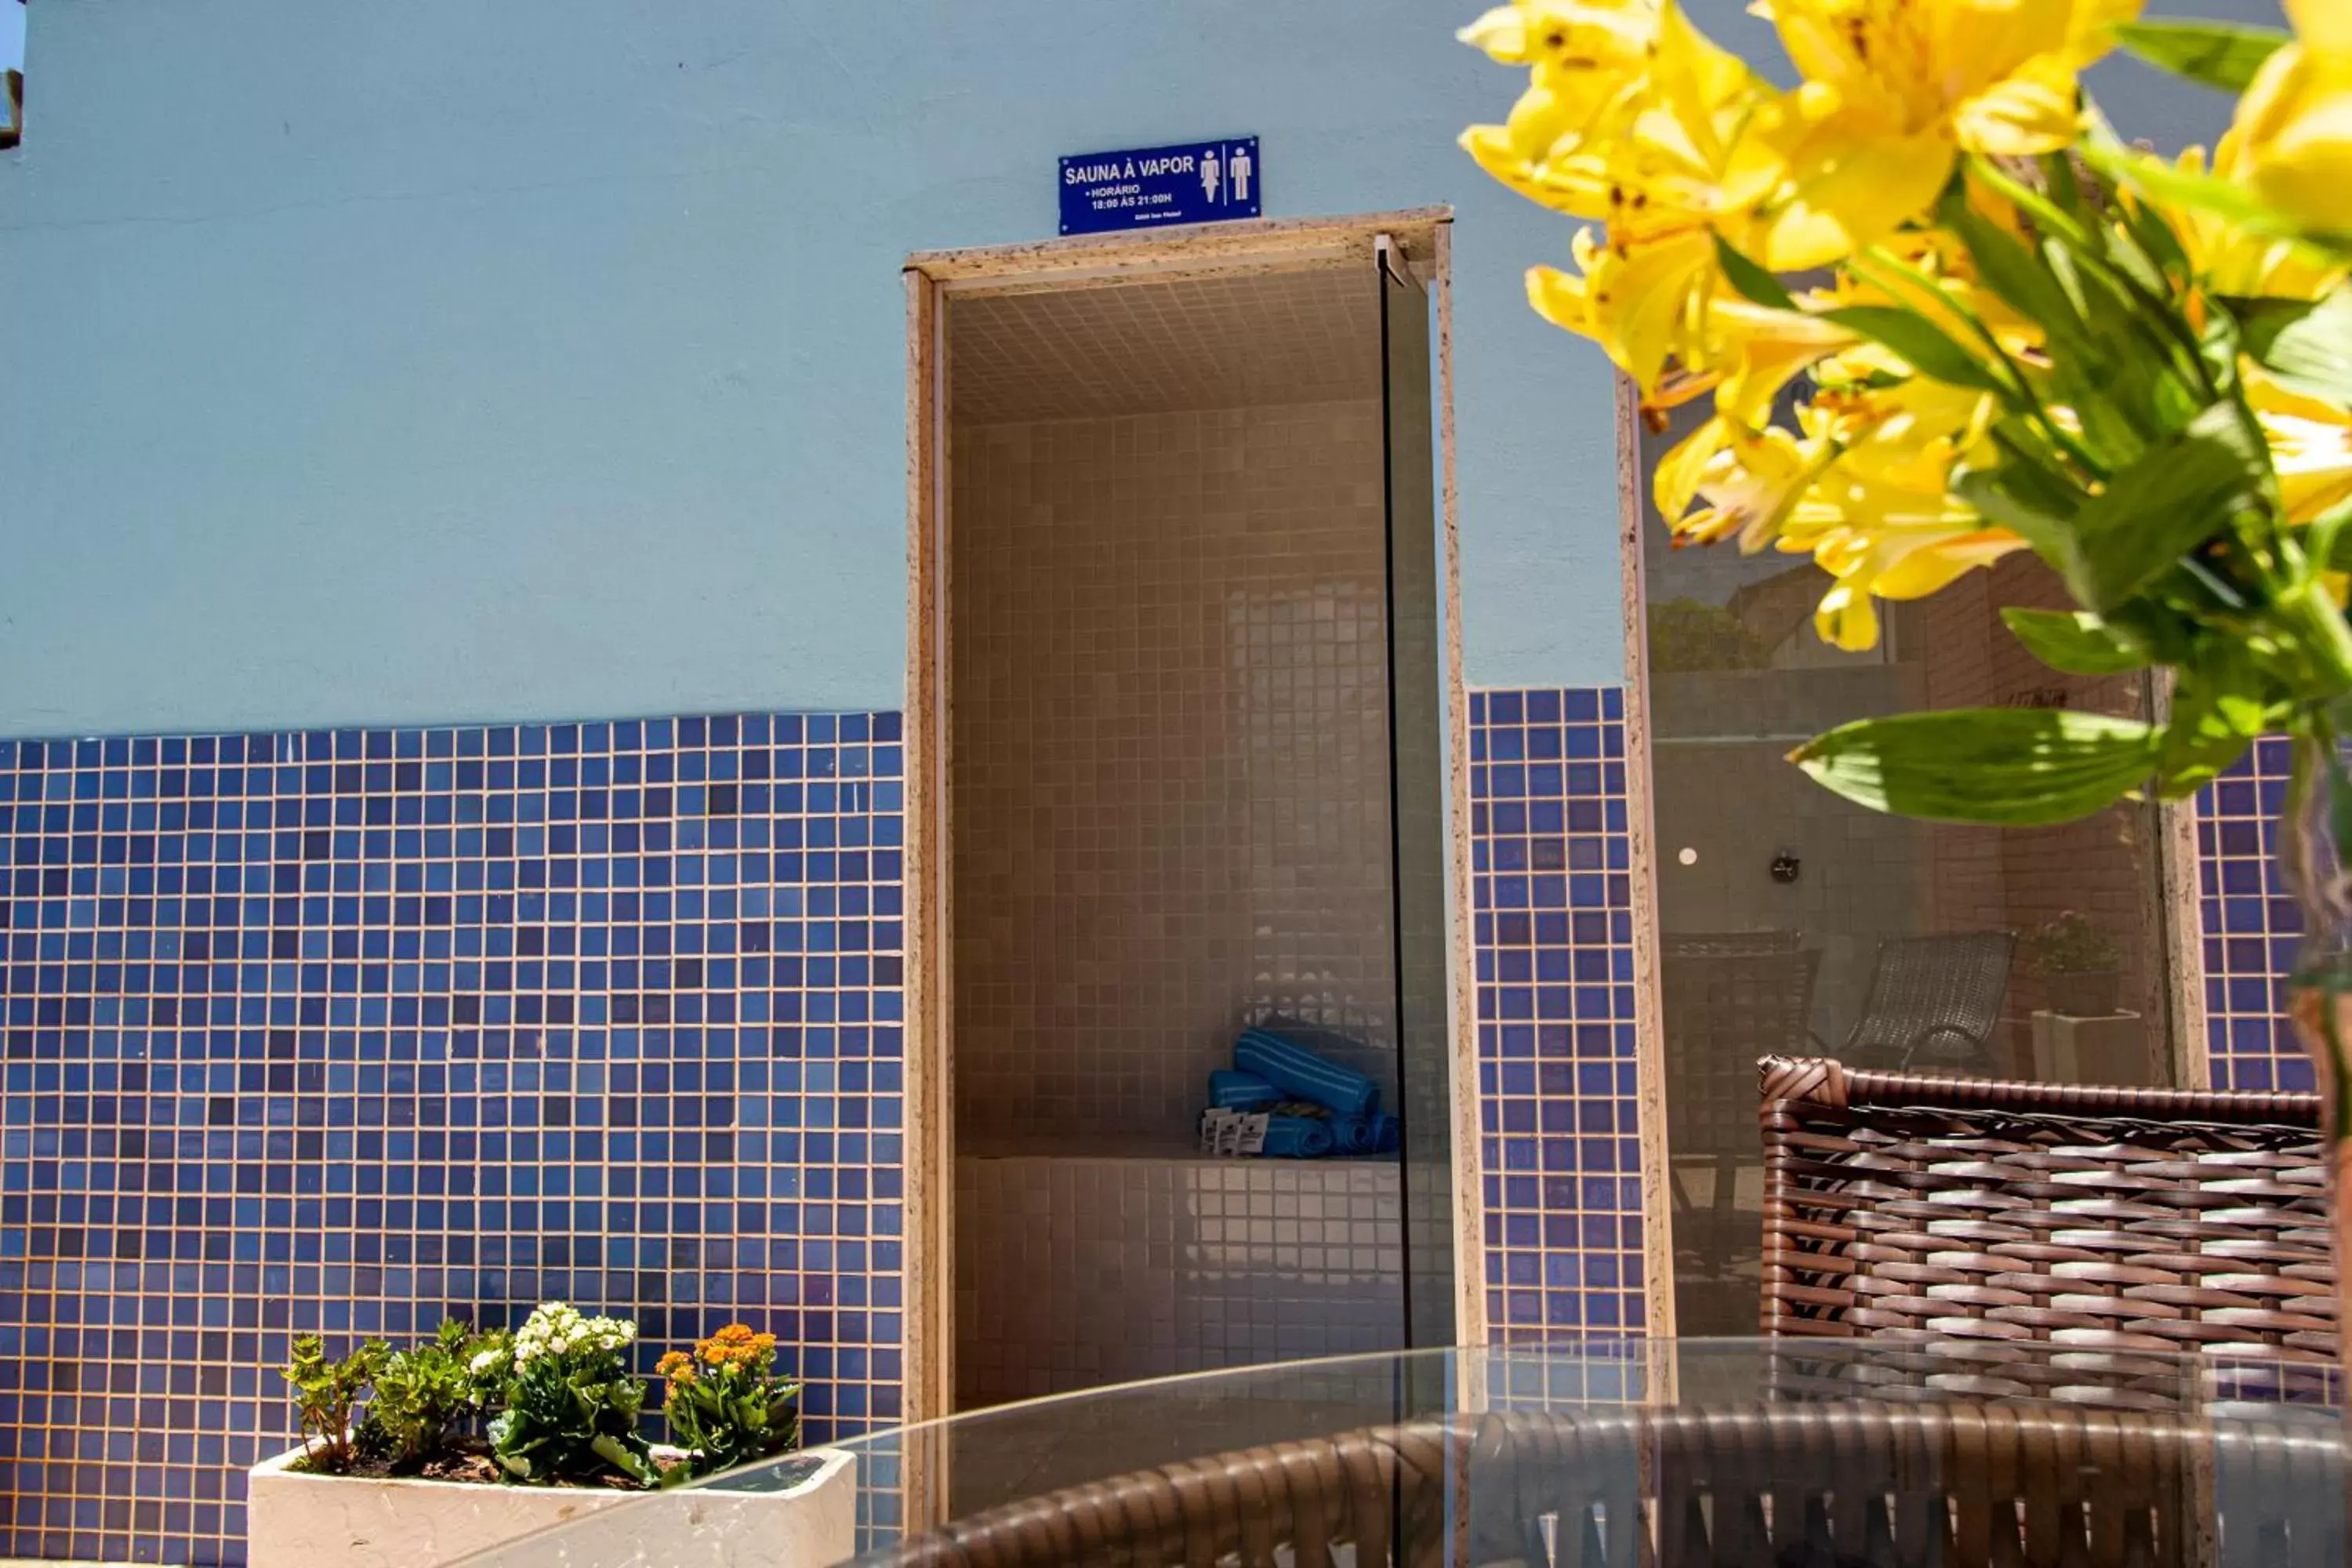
1170, 776
1071, 1273
1169, 771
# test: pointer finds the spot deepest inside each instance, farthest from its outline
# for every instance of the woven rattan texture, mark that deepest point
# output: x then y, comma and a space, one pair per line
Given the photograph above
1991, 1221
1751, 1484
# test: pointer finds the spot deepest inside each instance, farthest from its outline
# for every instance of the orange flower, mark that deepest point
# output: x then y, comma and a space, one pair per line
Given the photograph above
676, 1365
736, 1345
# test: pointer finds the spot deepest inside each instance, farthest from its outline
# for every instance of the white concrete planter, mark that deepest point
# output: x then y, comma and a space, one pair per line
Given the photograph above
299, 1521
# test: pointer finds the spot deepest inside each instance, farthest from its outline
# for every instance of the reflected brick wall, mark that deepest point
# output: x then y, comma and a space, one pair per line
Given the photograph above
2018, 878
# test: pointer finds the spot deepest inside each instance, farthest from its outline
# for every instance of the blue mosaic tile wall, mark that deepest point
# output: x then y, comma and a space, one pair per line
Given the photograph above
1559, 1144
343, 1032
2251, 926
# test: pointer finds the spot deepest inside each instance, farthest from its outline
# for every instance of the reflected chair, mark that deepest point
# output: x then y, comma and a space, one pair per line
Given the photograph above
1978, 1217
1729, 998
1754, 1485
1934, 1002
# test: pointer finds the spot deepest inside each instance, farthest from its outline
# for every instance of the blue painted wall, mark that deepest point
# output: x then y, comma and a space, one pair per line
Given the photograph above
440, 361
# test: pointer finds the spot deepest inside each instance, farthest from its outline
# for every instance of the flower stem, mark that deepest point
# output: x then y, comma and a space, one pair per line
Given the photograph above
2020, 396
2086, 249
2307, 611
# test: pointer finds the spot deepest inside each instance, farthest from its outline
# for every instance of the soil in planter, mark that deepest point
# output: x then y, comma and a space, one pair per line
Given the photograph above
2086, 994
467, 1461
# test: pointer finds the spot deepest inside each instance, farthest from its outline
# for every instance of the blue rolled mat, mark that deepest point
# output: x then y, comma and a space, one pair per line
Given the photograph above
1292, 1067
1388, 1135
1356, 1134
1231, 1091
1296, 1138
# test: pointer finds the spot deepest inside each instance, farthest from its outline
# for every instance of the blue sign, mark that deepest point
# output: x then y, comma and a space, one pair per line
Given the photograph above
1193, 182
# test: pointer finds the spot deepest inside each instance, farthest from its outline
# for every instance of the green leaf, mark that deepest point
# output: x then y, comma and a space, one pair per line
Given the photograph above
2329, 540
2163, 181
2156, 238
618, 1455
2010, 270
2305, 346
2217, 713
2023, 492
2218, 55
1926, 347
2064, 189
2174, 499
2010, 767
2074, 642
1754, 283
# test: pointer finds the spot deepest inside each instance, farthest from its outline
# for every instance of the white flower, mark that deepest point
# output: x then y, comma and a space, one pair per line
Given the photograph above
486, 1360
556, 1328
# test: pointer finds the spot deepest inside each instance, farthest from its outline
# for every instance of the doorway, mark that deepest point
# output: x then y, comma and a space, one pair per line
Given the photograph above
1181, 710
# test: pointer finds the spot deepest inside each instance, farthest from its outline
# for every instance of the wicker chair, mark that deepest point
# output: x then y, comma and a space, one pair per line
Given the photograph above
1980, 1218
1756, 1486
1933, 1002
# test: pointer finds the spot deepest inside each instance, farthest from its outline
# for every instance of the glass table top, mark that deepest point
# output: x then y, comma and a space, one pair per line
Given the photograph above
1719, 1450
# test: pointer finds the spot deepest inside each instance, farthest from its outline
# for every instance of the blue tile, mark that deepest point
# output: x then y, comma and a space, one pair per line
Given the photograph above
2251, 930
364, 1026
1546, 832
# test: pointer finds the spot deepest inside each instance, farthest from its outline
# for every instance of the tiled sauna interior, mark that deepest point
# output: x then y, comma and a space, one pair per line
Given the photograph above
1170, 759
1171, 818
1094, 1271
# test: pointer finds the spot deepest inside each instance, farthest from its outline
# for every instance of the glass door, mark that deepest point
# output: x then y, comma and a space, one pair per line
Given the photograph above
1794, 922
1417, 800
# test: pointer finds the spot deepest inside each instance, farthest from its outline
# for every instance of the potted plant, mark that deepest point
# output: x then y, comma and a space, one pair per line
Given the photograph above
470, 1441
2018, 335
2079, 965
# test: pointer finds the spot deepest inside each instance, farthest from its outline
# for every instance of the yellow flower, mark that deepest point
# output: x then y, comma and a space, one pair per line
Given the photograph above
1746, 481
1902, 558
1994, 76
1646, 301
1634, 296
1633, 120
2229, 259
1630, 116
2295, 124
1905, 563
1581, 59
2310, 446
1850, 180
1881, 519
1893, 89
